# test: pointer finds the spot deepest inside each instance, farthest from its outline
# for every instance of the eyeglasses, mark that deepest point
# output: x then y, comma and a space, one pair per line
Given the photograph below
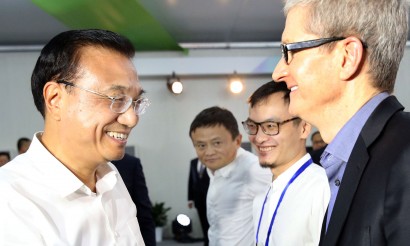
270, 128
286, 48
119, 104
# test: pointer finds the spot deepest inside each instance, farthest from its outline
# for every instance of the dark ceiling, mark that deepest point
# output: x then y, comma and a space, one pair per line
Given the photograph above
27, 22
150, 24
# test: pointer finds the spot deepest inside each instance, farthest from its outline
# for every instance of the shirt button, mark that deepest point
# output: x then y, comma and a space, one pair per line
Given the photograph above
337, 182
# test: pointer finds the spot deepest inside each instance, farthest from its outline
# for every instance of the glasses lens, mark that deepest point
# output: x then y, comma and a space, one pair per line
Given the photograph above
270, 128
250, 127
141, 106
120, 104
284, 52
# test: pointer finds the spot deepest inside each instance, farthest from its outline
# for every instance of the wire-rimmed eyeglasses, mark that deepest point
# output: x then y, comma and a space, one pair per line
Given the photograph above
286, 48
120, 103
270, 128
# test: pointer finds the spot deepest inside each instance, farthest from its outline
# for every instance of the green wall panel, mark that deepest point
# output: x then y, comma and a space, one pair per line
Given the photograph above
126, 17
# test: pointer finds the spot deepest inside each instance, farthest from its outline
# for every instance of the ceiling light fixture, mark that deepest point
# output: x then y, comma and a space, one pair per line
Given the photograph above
174, 84
235, 84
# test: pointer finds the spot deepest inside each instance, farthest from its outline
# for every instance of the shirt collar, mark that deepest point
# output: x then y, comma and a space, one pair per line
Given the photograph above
284, 177
106, 177
342, 145
226, 170
60, 177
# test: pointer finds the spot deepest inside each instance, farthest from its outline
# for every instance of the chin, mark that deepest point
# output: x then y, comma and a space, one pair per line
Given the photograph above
266, 165
117, 156
293, 110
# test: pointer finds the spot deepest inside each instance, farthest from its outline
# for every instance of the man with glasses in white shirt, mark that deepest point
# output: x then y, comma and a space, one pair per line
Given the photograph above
64, 190
290, 212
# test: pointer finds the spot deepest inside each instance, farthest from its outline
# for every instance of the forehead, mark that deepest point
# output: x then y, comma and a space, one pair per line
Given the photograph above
209, 133
295, 30
108, 68
272, 108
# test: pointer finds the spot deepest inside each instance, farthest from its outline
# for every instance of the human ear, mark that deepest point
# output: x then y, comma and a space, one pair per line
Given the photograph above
353, 57
238, 140
52, 93
305, 129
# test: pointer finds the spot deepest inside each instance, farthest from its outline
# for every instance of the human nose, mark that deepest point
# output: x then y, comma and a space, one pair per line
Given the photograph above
128, 118
280, 71
260, 136
209, 150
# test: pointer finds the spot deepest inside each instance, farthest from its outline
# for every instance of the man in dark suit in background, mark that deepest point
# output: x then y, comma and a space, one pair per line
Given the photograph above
131, 172
344, 88
197, 189
318, 146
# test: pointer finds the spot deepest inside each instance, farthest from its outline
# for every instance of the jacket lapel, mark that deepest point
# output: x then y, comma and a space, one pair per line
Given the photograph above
355, 166
351, 178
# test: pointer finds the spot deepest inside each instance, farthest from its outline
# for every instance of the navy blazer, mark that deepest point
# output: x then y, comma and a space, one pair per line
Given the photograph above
197, 185
131, 172
373, 203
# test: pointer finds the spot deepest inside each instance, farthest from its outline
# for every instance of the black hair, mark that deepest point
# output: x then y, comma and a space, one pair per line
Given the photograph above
59, 59
215, 116
269, 88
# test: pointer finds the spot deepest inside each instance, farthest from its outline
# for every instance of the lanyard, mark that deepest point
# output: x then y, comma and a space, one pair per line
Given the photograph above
298, 172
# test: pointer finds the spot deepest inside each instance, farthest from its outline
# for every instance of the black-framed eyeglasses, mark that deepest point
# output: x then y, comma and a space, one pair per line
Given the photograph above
286, 48
120, 103
270, 128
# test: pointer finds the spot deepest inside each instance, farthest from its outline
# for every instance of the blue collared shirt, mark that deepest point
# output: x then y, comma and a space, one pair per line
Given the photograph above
337, 153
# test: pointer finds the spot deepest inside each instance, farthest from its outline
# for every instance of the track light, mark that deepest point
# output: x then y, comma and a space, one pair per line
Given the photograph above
174, 84
235, 84
181, 227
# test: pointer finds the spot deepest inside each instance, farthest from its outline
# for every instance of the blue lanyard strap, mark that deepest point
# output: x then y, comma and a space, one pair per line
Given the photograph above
298, 172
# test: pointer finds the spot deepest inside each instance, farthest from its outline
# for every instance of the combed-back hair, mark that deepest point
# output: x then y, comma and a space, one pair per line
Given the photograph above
59, 59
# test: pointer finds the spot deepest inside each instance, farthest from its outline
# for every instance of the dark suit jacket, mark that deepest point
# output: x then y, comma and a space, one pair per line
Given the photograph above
131, 172
373, 203
197, 186
197, 190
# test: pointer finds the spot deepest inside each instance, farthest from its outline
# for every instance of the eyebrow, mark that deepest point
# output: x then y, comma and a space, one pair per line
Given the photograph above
210, 140
266, 120
122, 88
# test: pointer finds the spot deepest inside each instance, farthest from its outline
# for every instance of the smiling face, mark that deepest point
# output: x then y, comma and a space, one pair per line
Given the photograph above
85, 128
214, 146
311, 74
280, 151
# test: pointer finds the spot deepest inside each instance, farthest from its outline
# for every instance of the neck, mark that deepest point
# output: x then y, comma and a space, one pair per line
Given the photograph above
86, 173
335, 115
281, 168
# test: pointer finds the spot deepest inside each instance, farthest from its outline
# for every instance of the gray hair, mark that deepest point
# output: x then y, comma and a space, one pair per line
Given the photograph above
380, 24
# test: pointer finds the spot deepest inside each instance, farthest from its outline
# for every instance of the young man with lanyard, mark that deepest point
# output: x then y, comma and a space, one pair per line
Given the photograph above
291, 211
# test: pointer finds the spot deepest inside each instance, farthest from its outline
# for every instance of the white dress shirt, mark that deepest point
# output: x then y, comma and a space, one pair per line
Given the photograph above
230, 198
44, 203
300, 215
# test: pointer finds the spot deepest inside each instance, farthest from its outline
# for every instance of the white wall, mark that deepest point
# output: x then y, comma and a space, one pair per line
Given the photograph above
161, 138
